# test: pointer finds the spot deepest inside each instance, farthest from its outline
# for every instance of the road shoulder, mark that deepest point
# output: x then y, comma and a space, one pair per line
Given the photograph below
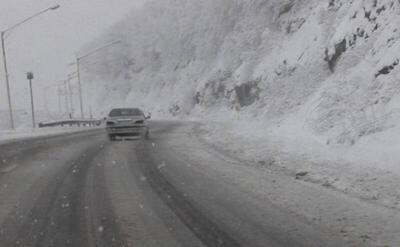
355, 219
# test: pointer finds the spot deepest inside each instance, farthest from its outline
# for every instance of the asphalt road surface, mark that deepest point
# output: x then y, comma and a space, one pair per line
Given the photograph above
172, 190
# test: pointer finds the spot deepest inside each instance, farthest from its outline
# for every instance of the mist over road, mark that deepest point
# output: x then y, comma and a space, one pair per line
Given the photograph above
172, 190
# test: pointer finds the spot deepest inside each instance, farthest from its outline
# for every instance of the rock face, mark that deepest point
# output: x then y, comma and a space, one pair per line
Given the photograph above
329, 66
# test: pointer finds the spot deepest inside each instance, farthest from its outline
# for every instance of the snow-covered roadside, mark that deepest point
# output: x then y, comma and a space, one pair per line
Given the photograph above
20, 134
366, 170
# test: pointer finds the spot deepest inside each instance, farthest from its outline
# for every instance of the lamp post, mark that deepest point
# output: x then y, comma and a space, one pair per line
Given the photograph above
71, 93
66, 94
78, 72
10, 110
3, 38
30, 77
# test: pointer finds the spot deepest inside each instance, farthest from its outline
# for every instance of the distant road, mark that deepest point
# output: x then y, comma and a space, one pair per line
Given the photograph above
173, 190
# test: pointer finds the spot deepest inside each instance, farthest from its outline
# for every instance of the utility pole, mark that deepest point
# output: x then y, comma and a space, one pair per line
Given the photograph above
70, 94
78, 73
66, 95
10, 110
90, 112
30, 77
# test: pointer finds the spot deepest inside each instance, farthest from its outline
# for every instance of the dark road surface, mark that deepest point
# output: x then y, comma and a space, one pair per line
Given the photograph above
82, 190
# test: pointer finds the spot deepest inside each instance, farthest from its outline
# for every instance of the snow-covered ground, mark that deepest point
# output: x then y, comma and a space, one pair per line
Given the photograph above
26, 133
365, 171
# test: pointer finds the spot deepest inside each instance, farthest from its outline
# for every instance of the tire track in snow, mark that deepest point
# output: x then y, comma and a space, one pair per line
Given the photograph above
58, 216
206, 230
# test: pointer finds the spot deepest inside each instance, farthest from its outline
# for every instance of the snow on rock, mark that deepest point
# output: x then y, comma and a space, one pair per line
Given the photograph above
334, 61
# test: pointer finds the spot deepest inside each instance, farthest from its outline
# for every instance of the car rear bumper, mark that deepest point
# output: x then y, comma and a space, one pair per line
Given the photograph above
127, 130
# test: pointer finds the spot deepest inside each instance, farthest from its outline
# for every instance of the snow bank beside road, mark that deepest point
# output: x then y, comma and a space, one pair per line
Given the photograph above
361, 170
19, 134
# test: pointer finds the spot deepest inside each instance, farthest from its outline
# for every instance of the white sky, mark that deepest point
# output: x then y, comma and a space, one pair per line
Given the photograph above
47, 44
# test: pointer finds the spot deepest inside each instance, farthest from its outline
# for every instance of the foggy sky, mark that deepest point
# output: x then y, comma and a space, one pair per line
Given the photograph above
47, 44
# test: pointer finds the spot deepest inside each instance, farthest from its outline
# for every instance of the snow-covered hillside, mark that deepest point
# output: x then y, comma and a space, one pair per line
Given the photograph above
326, 68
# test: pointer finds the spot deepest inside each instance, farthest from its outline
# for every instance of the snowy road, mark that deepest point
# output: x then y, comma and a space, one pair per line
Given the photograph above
173, 190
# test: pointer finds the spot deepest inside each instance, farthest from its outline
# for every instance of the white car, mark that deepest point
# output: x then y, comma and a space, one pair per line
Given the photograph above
123, 122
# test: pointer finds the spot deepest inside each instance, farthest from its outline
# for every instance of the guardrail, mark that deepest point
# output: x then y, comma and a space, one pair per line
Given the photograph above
71, 122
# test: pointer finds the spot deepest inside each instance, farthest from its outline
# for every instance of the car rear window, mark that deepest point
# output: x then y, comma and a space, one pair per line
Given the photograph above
126, 112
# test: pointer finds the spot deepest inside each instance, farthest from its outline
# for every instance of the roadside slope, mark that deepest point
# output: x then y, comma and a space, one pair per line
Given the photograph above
327, 68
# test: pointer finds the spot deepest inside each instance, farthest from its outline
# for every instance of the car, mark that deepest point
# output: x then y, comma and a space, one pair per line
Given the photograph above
127, 122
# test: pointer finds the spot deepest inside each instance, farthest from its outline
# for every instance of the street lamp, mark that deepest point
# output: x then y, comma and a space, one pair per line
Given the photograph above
3, 38
55, 7
71, 93
30, 77
78, 72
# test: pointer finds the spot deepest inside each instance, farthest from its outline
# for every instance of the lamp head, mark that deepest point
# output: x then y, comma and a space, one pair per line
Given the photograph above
55, 7
29, 75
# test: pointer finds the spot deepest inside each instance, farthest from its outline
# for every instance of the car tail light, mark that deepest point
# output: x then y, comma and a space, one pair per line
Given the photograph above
110, 123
